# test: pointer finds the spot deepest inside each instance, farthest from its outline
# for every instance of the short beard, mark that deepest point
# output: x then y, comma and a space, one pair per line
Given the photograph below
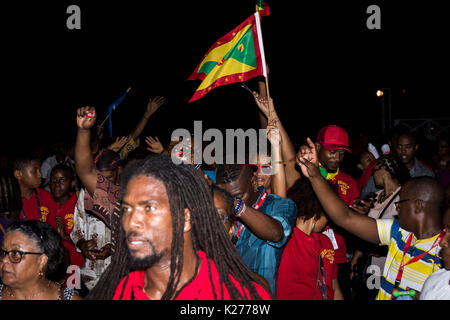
147, 261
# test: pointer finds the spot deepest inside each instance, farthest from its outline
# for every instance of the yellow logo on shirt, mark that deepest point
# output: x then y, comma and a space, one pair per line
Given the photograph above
328, 254
344, 186
44, 213
69, 219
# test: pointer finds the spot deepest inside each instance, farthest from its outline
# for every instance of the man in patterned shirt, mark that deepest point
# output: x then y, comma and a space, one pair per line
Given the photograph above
413, 239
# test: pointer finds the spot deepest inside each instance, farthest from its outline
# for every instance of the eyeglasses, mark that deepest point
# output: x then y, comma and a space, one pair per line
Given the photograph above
265, 168
15, 256
397, 203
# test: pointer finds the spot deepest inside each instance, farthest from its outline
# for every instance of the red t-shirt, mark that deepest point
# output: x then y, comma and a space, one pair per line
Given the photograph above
299, 267
48, 207
348, 191
66, 211
199, 289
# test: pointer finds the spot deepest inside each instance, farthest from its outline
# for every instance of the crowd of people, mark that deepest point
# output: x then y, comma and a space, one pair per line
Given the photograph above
124, 222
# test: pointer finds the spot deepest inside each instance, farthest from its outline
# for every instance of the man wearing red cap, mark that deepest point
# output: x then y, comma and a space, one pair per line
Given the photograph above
331, 144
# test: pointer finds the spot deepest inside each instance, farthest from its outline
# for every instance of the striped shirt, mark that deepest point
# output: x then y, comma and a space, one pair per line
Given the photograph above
414, 274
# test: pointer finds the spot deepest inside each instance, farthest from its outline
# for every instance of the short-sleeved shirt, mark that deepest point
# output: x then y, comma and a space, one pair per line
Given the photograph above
300, 267
47, 204
261, 256
105, 206
437, 286
199, 289
414, 274
348, 191
66, 212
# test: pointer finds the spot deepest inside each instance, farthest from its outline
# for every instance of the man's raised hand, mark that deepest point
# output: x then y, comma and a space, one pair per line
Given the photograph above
153, 105
86, 117
308, 160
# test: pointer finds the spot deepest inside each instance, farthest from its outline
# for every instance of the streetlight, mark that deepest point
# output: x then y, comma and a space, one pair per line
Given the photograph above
385, 123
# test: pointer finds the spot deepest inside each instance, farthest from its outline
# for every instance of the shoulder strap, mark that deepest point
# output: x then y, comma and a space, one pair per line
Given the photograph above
388, 205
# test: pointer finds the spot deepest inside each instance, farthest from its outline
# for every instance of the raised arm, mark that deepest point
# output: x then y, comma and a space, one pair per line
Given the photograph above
84, 163
287, 148
152, 106
345, 217
279, 176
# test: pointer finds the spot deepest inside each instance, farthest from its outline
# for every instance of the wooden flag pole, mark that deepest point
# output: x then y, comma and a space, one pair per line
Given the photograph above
104, 120
263, 58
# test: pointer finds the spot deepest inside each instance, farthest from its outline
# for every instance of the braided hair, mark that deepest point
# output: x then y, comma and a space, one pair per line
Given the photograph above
10, 197
186, 188
394, 167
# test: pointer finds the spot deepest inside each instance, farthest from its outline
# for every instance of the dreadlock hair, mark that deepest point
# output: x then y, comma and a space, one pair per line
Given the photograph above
10, 197
394, 167
186, 188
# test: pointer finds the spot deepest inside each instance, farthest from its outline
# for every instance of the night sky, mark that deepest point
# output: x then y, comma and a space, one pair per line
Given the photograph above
325, 64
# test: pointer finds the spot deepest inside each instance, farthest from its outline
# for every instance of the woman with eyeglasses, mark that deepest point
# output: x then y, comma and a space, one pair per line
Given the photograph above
32, 263
389, 173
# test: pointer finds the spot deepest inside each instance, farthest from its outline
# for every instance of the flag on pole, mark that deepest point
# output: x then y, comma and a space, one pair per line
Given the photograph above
236, 57
263, 8
112, 107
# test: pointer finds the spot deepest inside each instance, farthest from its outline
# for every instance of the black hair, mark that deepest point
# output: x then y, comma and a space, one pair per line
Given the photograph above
304, 197
228, 200
64, 167
395, 167
23, 159
10, 196
429, 189
186, 188
107, 159
227, 173
48, 241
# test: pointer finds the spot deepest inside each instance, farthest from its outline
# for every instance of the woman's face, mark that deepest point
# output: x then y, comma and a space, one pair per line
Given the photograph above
27, 270
260, 178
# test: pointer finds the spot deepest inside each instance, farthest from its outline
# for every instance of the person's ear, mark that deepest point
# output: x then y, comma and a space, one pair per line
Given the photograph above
416, 147
17, 174
74, 183
231, 231
43, 260
360, 166
187, 220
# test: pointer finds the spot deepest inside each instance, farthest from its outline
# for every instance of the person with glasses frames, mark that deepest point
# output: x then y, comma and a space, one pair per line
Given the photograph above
33, 261
413, 239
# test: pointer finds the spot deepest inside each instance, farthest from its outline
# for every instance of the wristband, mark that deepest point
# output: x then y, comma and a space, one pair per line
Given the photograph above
146, 117
240, 208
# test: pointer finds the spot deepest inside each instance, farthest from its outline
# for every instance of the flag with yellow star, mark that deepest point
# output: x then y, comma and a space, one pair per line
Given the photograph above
236, 57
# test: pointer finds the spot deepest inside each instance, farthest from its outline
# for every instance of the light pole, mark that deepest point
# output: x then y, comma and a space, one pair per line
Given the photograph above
385, 109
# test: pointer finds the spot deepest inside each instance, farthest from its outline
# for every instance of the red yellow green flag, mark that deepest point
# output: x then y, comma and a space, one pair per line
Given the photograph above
236, 57
263, 8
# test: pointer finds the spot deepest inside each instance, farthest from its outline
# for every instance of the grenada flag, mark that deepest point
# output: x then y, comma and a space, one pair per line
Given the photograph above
263, 8
236, 57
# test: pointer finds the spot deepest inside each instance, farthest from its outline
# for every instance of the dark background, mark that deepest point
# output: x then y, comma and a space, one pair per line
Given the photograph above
325, 65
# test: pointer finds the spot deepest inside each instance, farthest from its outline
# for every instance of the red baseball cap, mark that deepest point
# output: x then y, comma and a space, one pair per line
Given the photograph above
333, 138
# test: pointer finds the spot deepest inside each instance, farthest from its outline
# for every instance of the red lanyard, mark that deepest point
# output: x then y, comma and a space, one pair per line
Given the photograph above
417, 258
255, 206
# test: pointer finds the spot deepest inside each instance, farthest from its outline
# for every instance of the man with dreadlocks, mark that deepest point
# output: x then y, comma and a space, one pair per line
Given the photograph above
176, 246
265, 220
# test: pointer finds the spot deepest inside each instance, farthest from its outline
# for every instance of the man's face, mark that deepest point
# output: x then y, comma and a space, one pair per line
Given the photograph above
330, 159
147, 221
60, 183
443, 148
241, 187
405, 208
406, 149
445, 242
30, 176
